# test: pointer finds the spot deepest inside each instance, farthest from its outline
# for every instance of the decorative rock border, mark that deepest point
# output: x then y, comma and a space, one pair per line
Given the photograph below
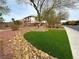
24, 50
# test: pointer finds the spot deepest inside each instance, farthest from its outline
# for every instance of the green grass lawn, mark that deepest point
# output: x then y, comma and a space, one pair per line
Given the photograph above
53, 42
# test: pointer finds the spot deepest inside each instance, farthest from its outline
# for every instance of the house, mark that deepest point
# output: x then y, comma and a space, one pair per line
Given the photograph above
31, 21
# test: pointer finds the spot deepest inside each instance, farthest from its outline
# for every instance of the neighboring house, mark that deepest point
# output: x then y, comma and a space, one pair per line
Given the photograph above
31, 20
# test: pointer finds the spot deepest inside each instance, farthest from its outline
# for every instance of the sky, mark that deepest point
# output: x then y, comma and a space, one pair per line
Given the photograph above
19, 11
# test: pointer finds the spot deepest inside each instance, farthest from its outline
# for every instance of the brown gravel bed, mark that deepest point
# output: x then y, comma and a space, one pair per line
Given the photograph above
14, 46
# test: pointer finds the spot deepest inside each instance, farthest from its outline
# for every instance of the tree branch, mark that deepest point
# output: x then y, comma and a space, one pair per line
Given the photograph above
53, 5
38, 3
41, 5
35, 7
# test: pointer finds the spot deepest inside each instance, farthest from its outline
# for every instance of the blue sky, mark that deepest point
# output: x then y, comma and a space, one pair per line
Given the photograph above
18, 11
74, 14
21, 11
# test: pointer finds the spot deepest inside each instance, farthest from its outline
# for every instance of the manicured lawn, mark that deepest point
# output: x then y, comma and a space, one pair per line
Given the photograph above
53, 42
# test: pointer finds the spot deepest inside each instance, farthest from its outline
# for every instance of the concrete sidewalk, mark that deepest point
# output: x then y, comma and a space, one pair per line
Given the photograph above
74, 41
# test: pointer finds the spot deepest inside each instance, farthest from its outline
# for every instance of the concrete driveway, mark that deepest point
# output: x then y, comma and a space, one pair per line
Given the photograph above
73, 34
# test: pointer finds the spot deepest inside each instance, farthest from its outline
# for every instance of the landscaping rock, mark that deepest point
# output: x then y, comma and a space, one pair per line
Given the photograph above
24, 50
14, 46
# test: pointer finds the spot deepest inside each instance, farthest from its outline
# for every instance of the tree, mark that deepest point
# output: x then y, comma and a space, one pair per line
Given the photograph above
41, 5
13, 20
64, 15
3, 10
53, 19
1, 19
50, 17
3, 7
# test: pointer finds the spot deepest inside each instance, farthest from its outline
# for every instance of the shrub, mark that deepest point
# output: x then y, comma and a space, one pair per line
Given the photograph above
77, 22
15, 24
14, 27
72, 23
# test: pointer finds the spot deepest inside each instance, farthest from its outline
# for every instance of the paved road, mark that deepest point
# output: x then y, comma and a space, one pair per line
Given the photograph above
76, 27
73, 35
